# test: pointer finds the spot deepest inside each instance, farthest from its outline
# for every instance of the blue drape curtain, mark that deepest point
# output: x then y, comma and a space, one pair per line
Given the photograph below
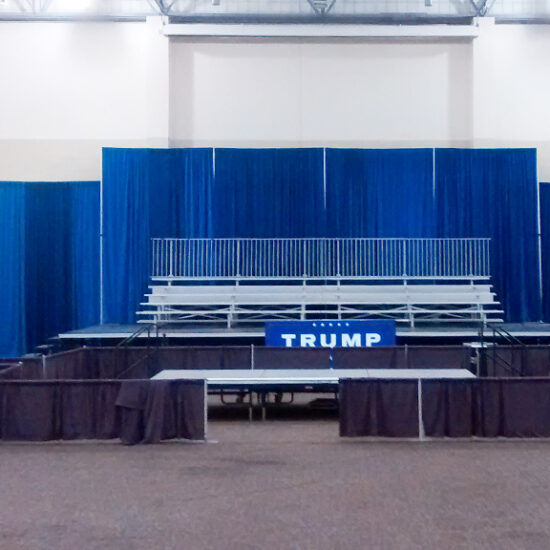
269, 193
50, 233
320, 193
493, 193
47, 277
85, 253
545, 241
148, 193
12, 269
380, 193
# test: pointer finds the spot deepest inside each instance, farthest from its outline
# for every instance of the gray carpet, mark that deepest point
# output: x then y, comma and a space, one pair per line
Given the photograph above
278, 485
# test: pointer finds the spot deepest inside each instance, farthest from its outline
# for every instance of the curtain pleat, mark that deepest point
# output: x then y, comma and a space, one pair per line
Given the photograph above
49, 244
493, 193
148, 193
380, 193
269, 193
12, 270
545, 244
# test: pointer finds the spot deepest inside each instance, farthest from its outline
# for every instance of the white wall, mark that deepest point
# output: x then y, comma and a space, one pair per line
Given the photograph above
66, 90
491, 92
512, 89
235, 93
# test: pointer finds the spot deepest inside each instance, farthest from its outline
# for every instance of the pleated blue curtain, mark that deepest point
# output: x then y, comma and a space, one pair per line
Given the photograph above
85, 253
49, 238
545, 241
180, 192
125, 232
49, 231
148, 193
297, 193
62, 258
380, 193
268, 193
493, 193
12, 269
47, 277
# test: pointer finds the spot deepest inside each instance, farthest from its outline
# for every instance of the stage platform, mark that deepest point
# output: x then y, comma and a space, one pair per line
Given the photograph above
284, 379
197, 334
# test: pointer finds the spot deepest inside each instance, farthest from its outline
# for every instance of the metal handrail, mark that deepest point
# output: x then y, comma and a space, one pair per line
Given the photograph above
497, 329
129, 339
321, 258
512, 340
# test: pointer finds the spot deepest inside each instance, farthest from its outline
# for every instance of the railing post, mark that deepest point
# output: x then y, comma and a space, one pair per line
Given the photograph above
487, 257
171, 257
472, 244
404, 256
304, 258
321, 258
153, 250
338, 270
238, 259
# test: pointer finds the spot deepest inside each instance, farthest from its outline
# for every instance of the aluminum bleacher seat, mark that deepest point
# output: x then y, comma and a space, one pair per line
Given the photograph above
258, 303
436, 296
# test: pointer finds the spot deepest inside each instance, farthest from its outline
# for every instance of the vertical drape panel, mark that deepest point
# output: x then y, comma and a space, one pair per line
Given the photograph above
140, 410
493, 193
394, 357
269, 193
148, 193
386, 408
298, 193
438, 357
153, 410
450, 408
85, 252
180, 192
62, 258
505, 407
380, 193
29, 411
49, 244
12, 270
486, 407
125, 232
545, 242
291, 358
48, 279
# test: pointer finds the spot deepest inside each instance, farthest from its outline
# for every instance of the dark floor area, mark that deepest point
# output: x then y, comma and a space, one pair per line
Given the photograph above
277, 485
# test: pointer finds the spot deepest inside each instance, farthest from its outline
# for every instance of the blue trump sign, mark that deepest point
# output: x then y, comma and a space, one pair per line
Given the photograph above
330, 334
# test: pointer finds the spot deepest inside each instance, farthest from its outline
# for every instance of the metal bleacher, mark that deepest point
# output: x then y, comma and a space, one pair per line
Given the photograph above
234, 281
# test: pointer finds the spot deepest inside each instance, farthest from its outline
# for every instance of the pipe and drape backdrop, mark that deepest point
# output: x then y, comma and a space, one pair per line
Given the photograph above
545, 238
49, 245
49, 232
320, 193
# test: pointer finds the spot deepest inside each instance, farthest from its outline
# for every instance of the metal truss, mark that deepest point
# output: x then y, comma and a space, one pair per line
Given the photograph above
33, 6
277, 10
482, 7
321, 7
162, 6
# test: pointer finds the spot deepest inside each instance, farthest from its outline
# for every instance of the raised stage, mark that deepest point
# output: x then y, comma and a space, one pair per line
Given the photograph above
443, 333
302, 380
264, 381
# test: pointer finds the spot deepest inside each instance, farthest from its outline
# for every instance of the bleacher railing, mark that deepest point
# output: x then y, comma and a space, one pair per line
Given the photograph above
335, 259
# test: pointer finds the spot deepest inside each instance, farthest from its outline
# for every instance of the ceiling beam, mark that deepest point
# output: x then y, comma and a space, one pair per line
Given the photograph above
321, 30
